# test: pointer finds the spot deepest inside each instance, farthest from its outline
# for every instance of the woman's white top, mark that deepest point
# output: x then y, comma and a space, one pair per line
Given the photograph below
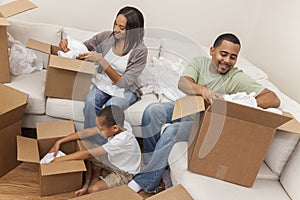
103, 82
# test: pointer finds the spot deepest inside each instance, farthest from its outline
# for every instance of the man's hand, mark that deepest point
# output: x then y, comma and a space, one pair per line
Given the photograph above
63, 45
209, 96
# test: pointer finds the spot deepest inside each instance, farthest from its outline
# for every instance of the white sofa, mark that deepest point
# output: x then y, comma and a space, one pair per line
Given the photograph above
278, 176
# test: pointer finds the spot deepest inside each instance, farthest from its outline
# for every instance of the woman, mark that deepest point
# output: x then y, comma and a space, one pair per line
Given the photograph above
121, 56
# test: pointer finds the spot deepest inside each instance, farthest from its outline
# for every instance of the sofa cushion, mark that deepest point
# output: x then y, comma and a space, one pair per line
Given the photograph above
176, 49
77, 34
48, 33
134, 113
203, 187
65, 109
34, 85
283, 143
291, 175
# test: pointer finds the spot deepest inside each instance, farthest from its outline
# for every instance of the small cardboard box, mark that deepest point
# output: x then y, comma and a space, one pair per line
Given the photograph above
57, 177
228, 141
125, 193
173, 193
8, 10
66, 78
12, 108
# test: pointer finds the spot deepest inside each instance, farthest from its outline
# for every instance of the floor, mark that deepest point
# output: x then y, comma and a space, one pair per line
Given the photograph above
23, 182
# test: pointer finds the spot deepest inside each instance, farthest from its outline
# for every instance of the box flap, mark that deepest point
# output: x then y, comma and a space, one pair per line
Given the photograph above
173, 193
188, 105
27, 150
117, 193
72, 64
16, 7
38, 45
292, 126
62, 128
62, 167
4, 22
12, 105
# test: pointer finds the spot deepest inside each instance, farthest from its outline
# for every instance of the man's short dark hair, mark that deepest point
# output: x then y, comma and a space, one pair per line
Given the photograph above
228, 37
112, 115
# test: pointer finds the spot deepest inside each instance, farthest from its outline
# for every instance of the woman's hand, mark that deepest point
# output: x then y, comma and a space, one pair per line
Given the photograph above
59, 159
90, 56
63, 45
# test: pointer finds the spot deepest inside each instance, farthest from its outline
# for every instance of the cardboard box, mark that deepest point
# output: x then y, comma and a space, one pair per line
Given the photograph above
66, 78
228, 141
8, 10
173, 193
125, 193
117, 193
57, 177
12, 107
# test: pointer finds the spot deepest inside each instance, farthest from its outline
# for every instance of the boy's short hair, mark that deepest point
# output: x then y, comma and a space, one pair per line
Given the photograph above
112, 115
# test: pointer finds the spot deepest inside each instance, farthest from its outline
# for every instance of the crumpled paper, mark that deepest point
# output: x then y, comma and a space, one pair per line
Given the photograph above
50, 156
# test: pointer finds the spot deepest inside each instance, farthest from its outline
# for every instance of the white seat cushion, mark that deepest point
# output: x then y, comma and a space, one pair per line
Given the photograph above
34, 85
203, 187
291, 175
64, 108
134, 113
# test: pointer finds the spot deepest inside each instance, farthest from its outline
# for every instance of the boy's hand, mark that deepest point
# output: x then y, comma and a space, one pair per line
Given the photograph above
55, 148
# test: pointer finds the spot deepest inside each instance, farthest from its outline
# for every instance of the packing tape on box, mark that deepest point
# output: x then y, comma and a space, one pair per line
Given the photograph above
221, 172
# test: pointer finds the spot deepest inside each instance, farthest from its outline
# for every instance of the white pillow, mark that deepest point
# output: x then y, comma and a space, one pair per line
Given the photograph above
174, 50
153, 45
77, 34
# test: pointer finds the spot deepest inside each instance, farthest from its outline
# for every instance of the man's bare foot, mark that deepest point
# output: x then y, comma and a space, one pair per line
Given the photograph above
81, 192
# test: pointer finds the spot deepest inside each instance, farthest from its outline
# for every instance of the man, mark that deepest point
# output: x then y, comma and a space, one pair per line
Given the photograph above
210, 78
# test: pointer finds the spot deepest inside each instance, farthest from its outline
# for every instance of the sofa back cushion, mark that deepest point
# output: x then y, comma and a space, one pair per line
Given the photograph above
48, 33
291, 175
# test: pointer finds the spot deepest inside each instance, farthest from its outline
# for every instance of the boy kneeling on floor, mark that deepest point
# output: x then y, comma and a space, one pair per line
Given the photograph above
122, 149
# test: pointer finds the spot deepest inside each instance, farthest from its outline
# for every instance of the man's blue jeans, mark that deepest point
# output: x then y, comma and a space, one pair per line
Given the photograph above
157, 146
94, 102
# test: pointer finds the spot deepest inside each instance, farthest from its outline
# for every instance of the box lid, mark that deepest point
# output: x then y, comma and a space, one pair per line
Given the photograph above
3, 21
62, 128
173, 193
188, 105
12, 105
292, 126
72, 64
192, 104
15, 7
27, 150
62, 167
117, 193
38, 45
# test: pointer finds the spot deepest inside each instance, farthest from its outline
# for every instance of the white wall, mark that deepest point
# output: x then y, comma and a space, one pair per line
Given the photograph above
269, 29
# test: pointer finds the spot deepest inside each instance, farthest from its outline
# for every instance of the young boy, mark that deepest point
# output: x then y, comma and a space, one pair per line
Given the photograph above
122, 150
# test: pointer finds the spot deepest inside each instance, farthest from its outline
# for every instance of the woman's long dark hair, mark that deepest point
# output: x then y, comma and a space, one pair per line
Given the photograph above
134, 27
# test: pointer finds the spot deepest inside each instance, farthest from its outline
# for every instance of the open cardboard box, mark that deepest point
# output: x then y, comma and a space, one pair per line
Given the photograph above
12, 107
8, 10
228, 141
66, 78
125, 193
57, 177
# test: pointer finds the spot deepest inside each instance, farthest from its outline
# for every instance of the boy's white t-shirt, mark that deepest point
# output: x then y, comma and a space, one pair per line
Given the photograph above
124, 151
